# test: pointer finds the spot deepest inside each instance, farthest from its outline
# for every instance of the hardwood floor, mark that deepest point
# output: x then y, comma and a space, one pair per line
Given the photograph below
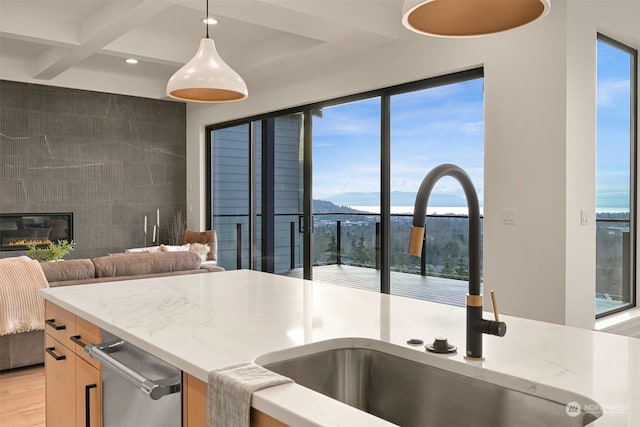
22, 397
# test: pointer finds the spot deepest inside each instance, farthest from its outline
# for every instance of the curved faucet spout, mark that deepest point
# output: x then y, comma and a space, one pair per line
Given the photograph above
476, 325
420, 210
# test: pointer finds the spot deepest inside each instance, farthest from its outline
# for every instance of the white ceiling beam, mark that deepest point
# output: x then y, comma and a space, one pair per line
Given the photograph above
104, 26
19, 24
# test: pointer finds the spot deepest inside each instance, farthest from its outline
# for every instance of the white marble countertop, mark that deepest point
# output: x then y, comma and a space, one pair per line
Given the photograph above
201, 322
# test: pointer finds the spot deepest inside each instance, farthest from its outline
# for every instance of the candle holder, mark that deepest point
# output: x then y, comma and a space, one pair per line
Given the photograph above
145, 231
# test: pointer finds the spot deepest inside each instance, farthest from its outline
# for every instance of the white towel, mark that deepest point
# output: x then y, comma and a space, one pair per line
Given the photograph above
21, 308
230, 391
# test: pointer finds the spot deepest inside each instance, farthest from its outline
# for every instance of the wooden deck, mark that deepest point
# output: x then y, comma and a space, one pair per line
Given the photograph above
434, 289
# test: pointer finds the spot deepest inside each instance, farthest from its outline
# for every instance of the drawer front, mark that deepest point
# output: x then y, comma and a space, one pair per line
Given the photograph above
88, 395
86, 333
59, 323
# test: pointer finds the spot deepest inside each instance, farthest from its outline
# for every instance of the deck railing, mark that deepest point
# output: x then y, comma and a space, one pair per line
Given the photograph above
613, 265
613, 258
345, 238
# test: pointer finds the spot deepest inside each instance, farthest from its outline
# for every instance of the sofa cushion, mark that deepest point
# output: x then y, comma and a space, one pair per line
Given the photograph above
145, 263
72, 269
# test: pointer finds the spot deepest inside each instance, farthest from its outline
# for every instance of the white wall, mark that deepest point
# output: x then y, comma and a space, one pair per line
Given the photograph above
539, 142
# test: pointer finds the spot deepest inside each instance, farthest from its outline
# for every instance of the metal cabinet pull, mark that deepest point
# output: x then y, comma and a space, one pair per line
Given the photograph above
77, 339
52, 353
87, 403
54, 325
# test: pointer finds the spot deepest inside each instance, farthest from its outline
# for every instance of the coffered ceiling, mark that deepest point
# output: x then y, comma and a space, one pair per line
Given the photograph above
83, 43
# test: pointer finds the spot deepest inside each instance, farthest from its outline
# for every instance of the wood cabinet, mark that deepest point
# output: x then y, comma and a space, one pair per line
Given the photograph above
73, 379
195, 406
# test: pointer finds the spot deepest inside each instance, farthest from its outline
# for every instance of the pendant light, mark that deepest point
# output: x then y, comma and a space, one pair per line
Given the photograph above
468, 18
206, 77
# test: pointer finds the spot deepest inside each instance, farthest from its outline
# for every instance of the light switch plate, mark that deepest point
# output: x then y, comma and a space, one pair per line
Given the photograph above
584, 217
508, 216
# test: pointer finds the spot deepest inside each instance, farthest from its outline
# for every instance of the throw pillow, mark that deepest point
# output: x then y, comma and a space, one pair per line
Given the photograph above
200, 249
147, 249
175, 248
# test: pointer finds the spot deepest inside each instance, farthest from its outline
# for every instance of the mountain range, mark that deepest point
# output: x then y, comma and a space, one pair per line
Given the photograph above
398, 198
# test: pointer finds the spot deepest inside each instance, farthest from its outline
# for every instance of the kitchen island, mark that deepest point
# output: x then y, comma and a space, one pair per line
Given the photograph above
198, 323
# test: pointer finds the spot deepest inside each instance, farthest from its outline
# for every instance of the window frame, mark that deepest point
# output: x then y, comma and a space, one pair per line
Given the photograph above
633, 171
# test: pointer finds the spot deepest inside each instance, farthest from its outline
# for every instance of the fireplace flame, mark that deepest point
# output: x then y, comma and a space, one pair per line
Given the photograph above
25, 242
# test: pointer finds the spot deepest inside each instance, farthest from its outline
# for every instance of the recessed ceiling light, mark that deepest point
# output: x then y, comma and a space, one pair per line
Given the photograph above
210, 21
131, 61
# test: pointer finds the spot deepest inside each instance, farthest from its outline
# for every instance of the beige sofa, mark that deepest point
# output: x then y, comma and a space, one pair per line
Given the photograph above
26, 348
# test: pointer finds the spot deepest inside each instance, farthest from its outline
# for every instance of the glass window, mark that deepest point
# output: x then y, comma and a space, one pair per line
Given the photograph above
346, 193
287, 191
442, 124
229, 190
365, 151
615, 196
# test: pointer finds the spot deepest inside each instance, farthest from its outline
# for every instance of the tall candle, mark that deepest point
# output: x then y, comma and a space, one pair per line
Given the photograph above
145, 225
154, 234
158, 218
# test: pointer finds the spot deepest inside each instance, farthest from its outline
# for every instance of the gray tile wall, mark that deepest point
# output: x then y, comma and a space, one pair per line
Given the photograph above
109, 159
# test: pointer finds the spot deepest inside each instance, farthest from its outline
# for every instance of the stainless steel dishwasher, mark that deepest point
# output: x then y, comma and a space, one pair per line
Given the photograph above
138, 389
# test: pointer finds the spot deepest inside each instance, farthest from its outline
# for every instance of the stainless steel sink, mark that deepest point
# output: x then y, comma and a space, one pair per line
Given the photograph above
411, 393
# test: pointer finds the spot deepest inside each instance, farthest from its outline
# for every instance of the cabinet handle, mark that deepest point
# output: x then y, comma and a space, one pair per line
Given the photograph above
87, 405
54, 325
52, 353
76, 339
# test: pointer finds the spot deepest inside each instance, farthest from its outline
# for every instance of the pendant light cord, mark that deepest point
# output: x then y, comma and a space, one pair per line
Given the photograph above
206, 22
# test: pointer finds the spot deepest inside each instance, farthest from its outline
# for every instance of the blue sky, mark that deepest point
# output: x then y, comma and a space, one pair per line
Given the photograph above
612, 187
428, 127
445, 124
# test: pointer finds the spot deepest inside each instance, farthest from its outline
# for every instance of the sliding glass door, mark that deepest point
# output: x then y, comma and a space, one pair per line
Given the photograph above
327, 191
230, 194
256, 194
442, 124
346, 194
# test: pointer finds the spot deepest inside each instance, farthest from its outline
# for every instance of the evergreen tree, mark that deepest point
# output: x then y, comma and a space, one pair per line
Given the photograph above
461, 271
332, 250
360, 254
431, 271
447, 268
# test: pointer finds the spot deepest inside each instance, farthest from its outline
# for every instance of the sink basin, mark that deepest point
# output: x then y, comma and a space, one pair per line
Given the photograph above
412, 393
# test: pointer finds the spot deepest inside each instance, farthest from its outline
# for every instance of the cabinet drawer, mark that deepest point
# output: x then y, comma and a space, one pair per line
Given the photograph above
86, 333
59, 323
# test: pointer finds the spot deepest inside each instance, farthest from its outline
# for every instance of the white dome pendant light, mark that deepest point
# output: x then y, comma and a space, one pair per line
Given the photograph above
469, 18
206, 77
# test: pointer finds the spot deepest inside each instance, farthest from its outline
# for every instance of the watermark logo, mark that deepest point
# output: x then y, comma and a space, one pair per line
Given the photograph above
573, 409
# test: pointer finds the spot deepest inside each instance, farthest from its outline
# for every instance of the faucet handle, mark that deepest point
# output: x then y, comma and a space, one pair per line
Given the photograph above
495, 307
496, 328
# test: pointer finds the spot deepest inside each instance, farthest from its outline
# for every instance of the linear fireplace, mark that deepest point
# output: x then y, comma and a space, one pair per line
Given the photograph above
17, 230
